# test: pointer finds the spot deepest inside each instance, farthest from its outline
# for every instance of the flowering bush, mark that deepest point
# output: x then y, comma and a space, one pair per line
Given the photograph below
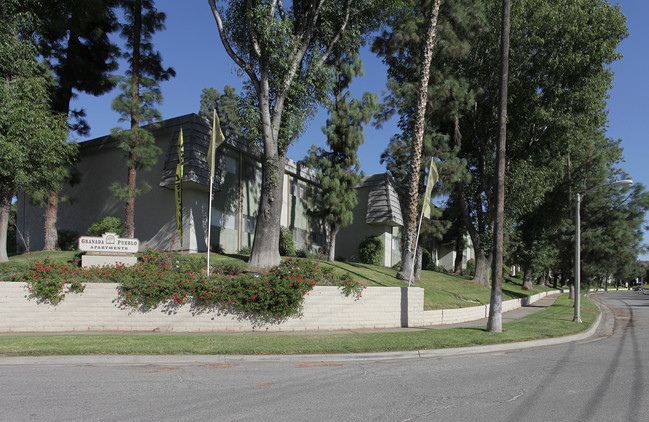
161, 279
47, 281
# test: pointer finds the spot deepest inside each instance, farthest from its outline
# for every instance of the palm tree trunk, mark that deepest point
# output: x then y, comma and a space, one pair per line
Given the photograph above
418, 136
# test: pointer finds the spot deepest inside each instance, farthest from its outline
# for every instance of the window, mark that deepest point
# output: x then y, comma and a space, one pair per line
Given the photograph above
396, 243
231, 164
224, 220
299, 189
249, 224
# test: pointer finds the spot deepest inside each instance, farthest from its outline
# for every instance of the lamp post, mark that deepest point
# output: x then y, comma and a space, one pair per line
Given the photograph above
624, 182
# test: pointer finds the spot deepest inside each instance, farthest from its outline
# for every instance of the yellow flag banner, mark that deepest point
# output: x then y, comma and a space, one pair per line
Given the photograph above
217, 139
178, 186
433, 176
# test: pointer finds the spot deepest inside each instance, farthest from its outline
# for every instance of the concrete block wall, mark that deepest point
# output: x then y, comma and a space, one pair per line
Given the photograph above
97, 309
325, 308
472, 313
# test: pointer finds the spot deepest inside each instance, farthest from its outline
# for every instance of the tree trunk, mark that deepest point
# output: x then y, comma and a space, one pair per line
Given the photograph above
571, 294
61, 103
6, 195
331, 256
129, 229
406, 265
459, 255
482, 265
528, 282
50, 218
495, 323
265, 248
418, 136
129, 212
418, 262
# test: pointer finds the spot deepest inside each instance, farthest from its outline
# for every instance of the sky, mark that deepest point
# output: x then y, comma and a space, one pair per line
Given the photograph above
191, 45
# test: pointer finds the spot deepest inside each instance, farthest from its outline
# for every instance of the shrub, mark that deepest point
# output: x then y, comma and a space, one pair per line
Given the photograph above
192, 263
105, 225
306, 253
245, 250
426, 260
153, 282
68, 240
371, 250
470, 267
286, 245
228, 268
47, 281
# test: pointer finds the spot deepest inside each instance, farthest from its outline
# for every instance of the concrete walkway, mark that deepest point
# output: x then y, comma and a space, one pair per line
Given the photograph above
508, 316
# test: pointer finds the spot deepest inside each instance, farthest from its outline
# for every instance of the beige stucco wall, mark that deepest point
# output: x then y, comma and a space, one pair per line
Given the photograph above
90, 200
325, 308
234, 208
349, 237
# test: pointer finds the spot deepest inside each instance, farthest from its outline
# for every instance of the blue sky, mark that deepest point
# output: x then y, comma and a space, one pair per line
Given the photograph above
191, 45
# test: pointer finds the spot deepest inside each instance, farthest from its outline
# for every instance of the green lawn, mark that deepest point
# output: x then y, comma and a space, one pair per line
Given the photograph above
441, 291
551, 322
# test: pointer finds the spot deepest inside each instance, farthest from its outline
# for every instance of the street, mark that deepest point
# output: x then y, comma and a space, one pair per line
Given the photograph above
602, 378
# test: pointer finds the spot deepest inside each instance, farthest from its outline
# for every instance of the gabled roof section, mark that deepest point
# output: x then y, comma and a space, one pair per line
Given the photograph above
383, 205
196, 141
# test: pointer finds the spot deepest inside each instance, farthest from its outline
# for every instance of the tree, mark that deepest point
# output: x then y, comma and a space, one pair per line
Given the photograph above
418, 135
284, 53
32, 136
140, 93
227, 106
338, 169
557, 92
445, 96
73, 39
495, 322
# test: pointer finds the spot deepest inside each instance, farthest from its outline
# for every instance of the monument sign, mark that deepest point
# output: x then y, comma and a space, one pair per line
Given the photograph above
109, 249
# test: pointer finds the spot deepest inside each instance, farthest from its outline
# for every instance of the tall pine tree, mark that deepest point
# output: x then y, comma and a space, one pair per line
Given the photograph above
140, 93
73, 39
339, 169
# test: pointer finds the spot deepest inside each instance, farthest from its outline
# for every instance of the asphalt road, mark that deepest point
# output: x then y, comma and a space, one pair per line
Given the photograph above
601, 378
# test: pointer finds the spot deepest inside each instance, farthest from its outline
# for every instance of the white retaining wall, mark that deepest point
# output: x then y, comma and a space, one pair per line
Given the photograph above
454, 316
325, 308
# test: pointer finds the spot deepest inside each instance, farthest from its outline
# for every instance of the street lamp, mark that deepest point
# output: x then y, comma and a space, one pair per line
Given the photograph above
624, 182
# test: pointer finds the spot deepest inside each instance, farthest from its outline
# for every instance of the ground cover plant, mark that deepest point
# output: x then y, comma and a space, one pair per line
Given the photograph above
168, 279
552, 322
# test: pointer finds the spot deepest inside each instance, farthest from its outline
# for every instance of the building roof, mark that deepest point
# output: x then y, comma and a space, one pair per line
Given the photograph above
383, 206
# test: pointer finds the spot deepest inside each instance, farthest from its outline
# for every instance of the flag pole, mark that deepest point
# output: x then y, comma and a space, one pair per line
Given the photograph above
211, 154
433, 175
209, 226
178, 188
